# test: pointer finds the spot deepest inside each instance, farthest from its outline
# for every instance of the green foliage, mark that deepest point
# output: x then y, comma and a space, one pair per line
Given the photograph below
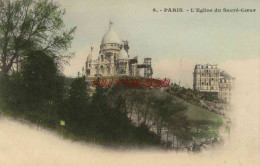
41, 79
111, 123
191, 95
209, 96
166, 106
27, 24
38, 93
10, 90
35, 92
195, 122
33, 32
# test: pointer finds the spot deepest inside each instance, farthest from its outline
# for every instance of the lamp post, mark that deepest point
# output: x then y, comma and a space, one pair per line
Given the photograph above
62, 123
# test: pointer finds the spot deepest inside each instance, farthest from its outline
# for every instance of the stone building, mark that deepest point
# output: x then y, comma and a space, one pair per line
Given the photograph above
114, 60
209, 78
206, 78
226, 82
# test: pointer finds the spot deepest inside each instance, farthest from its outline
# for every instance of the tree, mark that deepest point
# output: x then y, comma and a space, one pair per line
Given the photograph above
164, 107
37, 82
77, 100
36, 91
76, 111
41, 77
30, 23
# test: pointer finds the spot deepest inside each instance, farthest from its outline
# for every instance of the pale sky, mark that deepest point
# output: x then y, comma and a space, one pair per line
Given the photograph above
174, 41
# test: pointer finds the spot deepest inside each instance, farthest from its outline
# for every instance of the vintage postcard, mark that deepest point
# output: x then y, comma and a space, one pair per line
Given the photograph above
129, 83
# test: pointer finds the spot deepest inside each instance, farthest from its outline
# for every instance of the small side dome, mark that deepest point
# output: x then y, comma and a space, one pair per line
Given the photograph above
90, 55
123, 54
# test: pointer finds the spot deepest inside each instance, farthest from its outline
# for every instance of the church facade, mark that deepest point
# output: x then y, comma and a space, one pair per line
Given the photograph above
114, 60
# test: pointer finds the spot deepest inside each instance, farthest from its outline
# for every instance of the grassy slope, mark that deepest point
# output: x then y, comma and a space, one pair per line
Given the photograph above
197, 114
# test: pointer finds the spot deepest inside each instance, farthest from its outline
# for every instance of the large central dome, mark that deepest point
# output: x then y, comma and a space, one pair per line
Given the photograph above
110, 36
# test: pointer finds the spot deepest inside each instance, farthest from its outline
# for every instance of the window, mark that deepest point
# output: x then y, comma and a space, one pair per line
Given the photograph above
102, 69
108, 70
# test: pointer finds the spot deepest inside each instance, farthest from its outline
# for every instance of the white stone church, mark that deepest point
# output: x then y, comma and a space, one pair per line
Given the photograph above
114, 60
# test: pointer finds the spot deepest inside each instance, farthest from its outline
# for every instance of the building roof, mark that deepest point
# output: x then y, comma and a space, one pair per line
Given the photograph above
111, 36
123, 54
206, 66
225, 75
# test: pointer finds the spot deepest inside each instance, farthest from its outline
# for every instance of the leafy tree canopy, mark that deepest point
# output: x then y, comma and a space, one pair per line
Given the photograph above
30, 23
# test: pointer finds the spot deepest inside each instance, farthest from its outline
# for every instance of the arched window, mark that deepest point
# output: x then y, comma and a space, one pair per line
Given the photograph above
102, 58
102, 69
108, 70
